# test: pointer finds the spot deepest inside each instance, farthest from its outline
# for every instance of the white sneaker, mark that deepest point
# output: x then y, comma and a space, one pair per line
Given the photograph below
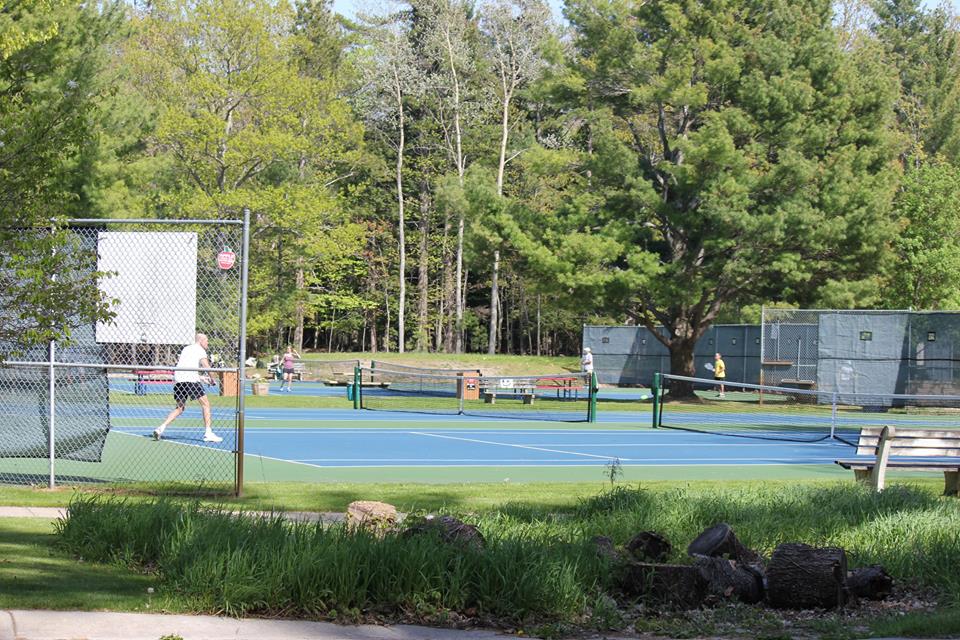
723, 395
210, 436
157, 433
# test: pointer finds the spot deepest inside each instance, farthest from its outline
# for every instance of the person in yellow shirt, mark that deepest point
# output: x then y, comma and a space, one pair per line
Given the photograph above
719, 371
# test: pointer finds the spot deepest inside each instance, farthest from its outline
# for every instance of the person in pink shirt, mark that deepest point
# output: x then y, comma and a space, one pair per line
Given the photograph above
288, 359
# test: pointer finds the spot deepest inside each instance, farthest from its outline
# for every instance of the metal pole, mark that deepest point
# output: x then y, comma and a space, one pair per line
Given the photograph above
51, 418
52, 390
656, 400
244, 271
97, 222
357, 380
833, 416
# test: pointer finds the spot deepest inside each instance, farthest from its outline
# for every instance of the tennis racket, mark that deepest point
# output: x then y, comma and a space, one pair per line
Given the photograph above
708, 366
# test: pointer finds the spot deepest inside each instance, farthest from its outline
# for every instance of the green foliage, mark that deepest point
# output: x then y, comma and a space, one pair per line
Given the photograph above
736, 153
50, 53
926, 274
537, 567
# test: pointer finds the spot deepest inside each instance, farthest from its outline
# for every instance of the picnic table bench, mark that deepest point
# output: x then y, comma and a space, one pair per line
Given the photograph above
276, 369
882, 448
527, 390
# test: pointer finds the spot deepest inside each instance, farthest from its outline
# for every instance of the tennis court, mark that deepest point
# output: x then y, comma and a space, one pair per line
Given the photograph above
733, 438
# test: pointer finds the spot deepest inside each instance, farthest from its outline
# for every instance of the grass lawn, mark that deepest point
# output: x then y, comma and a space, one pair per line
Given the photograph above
35, 574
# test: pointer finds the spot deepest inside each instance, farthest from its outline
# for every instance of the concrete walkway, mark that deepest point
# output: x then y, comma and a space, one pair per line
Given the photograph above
58, 512
93, 625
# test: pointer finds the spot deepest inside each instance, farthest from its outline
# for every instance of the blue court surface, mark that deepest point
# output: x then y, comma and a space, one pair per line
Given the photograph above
328, 438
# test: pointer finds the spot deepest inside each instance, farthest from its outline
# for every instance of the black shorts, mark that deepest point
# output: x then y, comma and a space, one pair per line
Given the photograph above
288, 371
719, 379
186, 391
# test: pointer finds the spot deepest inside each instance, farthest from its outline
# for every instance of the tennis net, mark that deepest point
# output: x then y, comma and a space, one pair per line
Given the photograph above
567, 397
794, 414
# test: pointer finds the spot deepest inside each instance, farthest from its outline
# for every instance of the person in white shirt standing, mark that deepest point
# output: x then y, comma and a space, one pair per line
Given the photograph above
586, 362
187, 385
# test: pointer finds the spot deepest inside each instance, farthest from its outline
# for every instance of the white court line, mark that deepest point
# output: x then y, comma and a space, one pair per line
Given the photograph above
537, 461
572, 463
505, 444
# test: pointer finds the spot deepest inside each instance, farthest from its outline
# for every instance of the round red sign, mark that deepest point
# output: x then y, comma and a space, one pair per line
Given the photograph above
226, 259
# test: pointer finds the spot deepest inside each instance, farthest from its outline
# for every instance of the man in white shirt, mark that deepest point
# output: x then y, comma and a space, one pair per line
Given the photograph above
586, 362
187, 385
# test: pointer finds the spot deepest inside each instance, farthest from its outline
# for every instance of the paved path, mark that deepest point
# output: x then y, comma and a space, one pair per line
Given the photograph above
95, 625
58, 512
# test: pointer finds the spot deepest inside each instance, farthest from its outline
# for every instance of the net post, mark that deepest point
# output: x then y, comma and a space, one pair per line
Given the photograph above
460, 390
656, 400
592, 407
833, 416
356, 387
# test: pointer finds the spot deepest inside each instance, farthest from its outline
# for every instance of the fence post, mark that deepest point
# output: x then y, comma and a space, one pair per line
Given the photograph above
656, 400
242, 364
51, 418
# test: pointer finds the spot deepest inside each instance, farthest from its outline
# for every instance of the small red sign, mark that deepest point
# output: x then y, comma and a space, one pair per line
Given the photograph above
226, 259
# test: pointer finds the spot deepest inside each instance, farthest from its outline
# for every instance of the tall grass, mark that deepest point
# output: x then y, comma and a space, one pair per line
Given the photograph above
538, 563
239, 564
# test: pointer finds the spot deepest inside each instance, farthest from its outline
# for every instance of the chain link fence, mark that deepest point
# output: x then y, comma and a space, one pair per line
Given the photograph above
86, 411
855, 352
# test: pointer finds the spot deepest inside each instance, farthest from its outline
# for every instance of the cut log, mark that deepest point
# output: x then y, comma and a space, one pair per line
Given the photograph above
649, 546
872, 583
605, 548
803, 577
720, 541
449, 529
728, 580
673, 585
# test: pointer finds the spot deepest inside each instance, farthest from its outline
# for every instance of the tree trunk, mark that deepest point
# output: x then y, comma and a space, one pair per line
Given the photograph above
728, 579
301, 310
720, 540
494, 305
873, 582
803, 577
680, 586
538, 325
373, 333
682, 364
649, 546
460, 292
423, 279
401, 222
333, 321
447, 303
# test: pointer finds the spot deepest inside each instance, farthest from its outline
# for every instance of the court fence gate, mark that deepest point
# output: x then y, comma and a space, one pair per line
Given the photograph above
85, 411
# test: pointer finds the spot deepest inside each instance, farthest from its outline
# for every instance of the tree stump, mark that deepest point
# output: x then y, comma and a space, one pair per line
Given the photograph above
649, 546
675, 585
720, 541
450, 530
727, 579
605, 548
803, 577
872, 583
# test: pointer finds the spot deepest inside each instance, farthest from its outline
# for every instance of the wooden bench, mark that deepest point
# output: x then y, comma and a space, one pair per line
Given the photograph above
882, 448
